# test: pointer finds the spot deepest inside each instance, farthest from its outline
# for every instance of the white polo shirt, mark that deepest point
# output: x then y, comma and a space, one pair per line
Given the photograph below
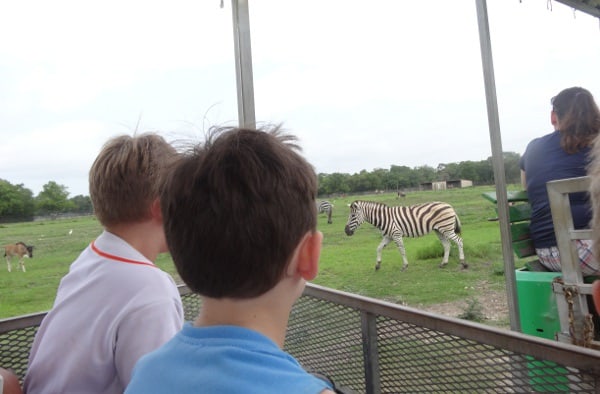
112, 307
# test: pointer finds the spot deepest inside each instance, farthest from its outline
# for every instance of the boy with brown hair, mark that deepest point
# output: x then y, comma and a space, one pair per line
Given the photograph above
114, 305
240, 219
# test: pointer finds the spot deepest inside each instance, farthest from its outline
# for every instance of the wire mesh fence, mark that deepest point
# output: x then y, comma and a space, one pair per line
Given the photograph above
377, 347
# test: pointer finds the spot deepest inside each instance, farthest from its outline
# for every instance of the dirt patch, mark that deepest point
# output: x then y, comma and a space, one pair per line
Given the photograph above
493, 303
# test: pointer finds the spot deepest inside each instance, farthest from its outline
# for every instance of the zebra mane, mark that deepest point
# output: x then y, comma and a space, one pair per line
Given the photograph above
372, 203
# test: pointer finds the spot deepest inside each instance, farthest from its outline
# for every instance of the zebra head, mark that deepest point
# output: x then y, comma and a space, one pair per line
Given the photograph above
355, 219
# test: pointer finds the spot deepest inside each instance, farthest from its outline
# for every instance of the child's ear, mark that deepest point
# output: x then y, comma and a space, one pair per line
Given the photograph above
155, 210
553, 118
307, 255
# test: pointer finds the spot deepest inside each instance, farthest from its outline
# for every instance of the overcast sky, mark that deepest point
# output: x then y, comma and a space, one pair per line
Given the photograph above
363, 84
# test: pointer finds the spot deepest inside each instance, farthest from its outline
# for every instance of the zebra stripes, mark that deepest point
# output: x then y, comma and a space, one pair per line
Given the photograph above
396, 222
325, 207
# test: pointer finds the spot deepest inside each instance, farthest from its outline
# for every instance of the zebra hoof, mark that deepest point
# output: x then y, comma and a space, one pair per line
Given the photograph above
443, 265
464, 265
377, 267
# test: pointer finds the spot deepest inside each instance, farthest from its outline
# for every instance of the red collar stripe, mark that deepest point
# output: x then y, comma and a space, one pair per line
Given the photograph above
117, 258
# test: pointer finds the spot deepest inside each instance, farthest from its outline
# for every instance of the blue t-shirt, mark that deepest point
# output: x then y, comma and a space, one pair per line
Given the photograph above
223, 360
544, 160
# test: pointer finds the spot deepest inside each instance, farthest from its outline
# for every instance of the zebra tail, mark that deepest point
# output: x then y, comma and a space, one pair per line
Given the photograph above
457, 225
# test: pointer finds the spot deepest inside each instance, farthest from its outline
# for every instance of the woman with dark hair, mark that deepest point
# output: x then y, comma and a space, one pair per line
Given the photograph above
564, 153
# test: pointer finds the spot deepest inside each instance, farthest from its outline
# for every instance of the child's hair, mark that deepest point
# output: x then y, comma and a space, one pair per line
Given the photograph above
125, 177
579, 118
235, 209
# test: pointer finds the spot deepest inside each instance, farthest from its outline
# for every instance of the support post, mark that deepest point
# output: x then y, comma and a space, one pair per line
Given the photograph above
243, 63
370, 352
498, 163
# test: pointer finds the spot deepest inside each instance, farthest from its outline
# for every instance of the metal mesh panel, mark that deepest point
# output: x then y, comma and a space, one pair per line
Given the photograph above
326, 338
191, 306
377, 347
415, 359
14, 349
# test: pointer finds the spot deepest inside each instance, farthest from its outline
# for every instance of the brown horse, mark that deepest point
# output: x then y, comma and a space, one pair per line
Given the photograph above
19, 249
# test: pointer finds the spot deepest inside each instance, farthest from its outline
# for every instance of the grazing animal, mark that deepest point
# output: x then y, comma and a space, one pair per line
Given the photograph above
325, 207
19, 249
396, 222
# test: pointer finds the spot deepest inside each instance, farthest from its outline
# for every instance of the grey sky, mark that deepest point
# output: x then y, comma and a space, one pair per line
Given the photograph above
363, 84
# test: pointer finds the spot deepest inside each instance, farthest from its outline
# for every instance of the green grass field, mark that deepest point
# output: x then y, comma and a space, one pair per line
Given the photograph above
347, 263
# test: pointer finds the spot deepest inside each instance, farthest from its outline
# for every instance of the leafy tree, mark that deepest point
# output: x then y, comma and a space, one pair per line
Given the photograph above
53, 199
16, 202
485, 173
378, 178
81, 204
401, 175
424, 174
467, 170
512, 170
333, 183
448, 171
367, 181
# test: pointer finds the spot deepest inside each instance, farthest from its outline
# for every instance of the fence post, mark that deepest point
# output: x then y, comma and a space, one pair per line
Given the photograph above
370, 353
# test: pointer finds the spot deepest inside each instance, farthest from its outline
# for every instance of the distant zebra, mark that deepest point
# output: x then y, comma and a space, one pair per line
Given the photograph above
325, 207
396, 222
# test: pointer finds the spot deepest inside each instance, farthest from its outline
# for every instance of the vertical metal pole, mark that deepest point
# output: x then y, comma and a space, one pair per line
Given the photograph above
498, 163
370, 352
243, 63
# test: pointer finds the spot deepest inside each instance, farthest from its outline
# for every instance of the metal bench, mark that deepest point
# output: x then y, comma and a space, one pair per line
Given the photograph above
538, 312
572, 290
519, 212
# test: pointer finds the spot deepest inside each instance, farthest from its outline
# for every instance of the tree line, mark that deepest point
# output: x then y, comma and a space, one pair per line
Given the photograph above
401, 178
17, 203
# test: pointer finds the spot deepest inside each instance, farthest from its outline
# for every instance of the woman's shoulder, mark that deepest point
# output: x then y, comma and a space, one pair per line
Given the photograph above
542, 145
547, 138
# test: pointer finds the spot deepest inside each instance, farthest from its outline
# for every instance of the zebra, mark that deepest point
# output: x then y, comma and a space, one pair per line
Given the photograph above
396, 222
325, 207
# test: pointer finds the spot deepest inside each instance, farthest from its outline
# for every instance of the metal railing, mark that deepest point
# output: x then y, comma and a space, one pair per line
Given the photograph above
374, 346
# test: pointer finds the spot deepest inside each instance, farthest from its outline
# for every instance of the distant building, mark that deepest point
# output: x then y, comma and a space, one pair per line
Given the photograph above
459, 183
440, 185
443, 185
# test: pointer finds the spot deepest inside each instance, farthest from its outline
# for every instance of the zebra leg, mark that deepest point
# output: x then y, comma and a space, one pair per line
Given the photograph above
386, 240
445, 239
329, 217
446, 244
8, 264
22, 264
400, 243
461, 254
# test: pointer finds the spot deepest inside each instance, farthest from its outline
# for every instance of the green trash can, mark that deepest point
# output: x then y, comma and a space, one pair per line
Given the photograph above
539, 317
537, 303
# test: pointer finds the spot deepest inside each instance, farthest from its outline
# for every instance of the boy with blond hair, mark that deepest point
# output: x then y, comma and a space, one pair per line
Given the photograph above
114, 305
240, 220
